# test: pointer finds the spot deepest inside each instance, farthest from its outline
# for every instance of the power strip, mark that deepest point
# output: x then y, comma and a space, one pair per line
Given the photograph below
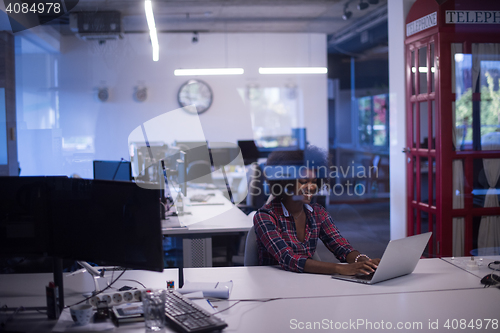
117, 297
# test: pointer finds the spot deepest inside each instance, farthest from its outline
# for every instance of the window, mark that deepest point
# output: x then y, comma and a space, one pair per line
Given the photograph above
274, 112
373, 120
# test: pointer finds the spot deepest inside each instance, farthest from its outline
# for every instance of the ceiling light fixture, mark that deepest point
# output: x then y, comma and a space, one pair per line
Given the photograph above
209, 71
152, 29
293, 70
362, 5
347, 14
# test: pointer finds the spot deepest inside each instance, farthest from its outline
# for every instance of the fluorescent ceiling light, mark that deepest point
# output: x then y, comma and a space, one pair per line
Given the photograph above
209, 71
293, 70
152, 29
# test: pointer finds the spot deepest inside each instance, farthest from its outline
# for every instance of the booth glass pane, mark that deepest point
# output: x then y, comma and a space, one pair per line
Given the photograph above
432, 169
414, 167
415, 221
413, 72
422, 70
489, 80
487, 235
463, 122
424, 125
456, 59
433, 69
458, 184
3, 129
462, 87
424, 180
434, 120
414, 130
486, 190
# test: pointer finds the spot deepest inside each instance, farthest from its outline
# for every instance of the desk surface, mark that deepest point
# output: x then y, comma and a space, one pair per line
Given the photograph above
210, 218
480, 266
260, 282
437, 290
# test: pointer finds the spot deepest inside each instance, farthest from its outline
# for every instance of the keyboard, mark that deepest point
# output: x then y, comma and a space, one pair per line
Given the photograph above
185, 316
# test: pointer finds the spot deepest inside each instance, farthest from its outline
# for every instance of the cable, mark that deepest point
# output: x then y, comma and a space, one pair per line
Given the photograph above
246, 300
100, 292
494, 263
135, 282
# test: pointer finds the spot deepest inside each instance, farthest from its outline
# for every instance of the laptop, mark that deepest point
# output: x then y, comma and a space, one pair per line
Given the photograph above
400, 258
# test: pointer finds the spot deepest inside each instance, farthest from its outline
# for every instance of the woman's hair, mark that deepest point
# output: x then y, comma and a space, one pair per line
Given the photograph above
283, 168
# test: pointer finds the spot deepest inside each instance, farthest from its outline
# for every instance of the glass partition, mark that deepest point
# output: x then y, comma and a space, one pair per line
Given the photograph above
3, 129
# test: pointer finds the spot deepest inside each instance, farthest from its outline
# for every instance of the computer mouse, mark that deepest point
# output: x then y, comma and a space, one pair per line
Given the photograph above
490, 280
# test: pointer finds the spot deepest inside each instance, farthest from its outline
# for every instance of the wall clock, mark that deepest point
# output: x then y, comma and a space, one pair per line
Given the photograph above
197, 93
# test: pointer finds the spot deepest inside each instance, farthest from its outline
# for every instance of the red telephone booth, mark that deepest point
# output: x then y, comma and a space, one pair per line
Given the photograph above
453, 125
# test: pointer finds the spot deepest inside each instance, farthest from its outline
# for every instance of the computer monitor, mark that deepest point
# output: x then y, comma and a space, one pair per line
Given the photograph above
249, 151
25, 216
107, 223
113, 170
195, 150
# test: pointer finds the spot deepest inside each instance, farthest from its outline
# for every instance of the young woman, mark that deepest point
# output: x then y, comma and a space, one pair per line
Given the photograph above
289, 227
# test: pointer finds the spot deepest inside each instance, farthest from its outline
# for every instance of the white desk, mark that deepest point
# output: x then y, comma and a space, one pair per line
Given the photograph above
482, 265
261, 282
412, 309
436, 290
203, 222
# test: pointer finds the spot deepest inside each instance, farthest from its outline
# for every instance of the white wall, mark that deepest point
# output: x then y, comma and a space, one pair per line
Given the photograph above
397, 12
124, 64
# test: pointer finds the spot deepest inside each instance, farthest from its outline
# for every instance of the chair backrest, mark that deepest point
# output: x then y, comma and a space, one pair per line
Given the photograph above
251, 249
251, 257
256, 193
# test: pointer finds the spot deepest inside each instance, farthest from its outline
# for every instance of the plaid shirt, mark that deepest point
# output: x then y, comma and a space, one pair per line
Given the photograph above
277, 237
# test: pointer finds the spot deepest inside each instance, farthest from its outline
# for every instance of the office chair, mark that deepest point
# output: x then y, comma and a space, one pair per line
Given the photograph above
251, 250
256, 191
199, 171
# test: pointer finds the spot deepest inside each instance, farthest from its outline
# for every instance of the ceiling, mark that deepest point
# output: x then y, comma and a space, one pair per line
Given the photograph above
252, 16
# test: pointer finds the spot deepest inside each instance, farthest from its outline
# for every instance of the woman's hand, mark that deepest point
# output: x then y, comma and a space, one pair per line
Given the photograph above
361, 267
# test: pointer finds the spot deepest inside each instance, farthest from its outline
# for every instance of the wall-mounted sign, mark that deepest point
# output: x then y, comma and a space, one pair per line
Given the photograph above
421, 24
472, 16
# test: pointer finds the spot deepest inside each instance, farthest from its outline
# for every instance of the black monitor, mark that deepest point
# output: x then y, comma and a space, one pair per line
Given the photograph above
113, 170
105, 222
249, 151
108, 223
26, 215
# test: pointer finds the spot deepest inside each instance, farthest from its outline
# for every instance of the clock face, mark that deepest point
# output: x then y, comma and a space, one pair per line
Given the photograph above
197, 93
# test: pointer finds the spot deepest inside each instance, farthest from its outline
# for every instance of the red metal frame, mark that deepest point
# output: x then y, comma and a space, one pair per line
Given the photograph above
442, 35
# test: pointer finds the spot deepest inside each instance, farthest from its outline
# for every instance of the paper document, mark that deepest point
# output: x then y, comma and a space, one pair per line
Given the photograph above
209, 289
